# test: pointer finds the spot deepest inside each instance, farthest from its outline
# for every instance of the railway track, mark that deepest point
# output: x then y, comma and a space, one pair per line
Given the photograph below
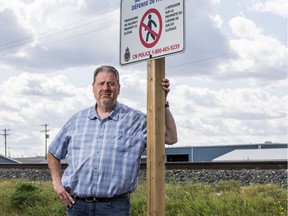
260, 165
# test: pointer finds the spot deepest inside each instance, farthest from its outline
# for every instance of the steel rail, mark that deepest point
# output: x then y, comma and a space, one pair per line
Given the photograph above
232, 165
261, 165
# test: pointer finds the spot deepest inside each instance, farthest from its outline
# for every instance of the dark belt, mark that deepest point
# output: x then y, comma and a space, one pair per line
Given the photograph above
100, 199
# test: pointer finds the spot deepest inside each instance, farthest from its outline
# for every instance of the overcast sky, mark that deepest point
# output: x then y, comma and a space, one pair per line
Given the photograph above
228, 87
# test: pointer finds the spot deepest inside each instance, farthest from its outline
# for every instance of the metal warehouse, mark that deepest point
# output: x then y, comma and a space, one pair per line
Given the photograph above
209, 153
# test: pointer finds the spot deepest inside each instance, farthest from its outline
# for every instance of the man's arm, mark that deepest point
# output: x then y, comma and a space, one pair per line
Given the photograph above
55, 170
171, 130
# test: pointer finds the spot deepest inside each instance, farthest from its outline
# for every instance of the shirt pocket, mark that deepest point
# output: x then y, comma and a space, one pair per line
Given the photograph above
123, 141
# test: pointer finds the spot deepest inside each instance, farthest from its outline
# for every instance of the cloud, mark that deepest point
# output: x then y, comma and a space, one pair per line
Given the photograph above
260, 57
10, 29
206, 45
244, 28
277, 7
60, 43
228, 87
34, 99
242, 114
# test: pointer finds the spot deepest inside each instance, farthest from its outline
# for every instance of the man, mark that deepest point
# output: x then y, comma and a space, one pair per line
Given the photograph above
104, 144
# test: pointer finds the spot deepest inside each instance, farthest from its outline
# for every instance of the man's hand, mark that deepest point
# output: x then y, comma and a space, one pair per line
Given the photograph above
55, 170
63, 194
165, 86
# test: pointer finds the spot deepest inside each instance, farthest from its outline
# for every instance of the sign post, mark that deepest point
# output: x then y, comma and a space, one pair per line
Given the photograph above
155, 138
151, 30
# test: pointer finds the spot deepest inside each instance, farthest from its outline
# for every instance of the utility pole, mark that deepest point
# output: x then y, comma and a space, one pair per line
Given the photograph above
46, 137
5, 139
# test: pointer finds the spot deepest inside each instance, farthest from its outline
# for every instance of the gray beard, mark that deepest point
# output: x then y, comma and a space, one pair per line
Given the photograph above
107, 105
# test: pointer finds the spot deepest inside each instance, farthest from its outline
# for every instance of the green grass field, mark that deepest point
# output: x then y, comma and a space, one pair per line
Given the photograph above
23, 197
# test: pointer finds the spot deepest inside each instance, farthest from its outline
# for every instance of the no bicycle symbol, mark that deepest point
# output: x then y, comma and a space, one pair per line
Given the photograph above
150, 28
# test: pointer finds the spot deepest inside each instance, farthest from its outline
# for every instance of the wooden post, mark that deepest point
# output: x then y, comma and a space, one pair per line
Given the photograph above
155, 138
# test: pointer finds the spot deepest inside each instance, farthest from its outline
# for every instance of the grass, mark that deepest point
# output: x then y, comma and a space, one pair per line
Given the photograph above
23, 197
41, 203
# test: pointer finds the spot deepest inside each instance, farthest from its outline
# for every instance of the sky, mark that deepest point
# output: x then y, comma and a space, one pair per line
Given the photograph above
228, 87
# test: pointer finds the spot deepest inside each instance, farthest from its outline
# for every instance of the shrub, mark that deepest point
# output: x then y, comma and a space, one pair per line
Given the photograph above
26, 194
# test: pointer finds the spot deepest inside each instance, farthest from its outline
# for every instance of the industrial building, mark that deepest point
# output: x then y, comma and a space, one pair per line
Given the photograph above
242, 152
6, 160
213, 152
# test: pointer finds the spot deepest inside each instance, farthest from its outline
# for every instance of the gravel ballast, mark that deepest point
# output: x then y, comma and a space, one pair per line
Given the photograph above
245, 177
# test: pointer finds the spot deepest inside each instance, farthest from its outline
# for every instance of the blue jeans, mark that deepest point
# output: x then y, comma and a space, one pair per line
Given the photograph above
113, 207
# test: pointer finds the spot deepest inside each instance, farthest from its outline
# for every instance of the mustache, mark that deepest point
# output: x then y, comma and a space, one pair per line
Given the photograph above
105, 91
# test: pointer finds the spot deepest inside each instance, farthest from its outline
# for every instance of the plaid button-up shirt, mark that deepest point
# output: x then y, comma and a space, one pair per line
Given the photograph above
103, 154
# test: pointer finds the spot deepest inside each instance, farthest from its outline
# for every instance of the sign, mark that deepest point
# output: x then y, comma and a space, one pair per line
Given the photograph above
150, 29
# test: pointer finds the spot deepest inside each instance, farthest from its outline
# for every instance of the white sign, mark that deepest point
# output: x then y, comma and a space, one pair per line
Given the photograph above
150, 29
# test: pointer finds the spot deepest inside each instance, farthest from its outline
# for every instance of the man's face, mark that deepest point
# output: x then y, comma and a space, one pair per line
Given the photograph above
106, 89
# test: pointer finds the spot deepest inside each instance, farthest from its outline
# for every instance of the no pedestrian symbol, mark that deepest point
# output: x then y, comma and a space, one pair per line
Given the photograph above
150, 28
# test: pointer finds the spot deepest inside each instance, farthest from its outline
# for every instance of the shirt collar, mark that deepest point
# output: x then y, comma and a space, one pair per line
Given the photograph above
114, 115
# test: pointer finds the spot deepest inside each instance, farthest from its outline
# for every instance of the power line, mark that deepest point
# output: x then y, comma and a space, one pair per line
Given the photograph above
19, 42
5, 139
91, 21
60, 40
203, 59
48, 34
211, 57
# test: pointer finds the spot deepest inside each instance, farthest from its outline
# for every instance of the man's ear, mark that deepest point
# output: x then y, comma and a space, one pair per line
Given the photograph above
119, 89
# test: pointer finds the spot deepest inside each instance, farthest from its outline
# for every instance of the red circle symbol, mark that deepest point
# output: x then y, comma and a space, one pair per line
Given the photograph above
148, 28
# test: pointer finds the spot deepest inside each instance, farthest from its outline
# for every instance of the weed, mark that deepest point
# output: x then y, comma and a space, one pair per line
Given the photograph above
26, 194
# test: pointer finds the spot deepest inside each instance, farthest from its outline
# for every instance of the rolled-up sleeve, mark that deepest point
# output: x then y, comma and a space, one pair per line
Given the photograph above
59, 146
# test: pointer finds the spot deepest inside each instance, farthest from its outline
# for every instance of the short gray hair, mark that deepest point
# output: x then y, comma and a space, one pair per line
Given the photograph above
106, 68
